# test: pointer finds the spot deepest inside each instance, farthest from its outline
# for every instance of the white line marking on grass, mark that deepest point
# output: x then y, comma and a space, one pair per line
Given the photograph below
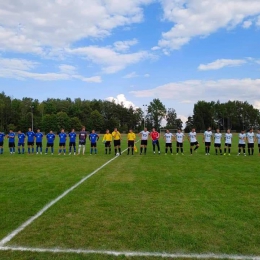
46, 207
131, 254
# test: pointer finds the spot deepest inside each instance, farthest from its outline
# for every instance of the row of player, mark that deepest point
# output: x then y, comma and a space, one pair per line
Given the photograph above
244, 138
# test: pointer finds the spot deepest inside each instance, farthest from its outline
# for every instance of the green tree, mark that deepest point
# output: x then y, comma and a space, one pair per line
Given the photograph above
156, 112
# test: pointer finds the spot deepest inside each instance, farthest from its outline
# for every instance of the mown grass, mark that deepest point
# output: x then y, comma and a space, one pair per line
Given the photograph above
190, 204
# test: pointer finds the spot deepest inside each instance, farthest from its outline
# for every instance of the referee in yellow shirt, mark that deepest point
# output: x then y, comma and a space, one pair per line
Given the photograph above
117, 140
131, 141
107, 139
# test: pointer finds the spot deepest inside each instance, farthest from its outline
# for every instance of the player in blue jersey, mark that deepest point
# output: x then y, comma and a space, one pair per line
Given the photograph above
38, 137
30, 140
62, 144
93, 138
21, 140
50, 142
72, 136
82, 140
2, 136
11, 137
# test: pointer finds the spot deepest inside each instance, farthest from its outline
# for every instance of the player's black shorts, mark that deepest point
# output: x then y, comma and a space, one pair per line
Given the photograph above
62, 144
194, 143
217, 145
72, 144
82, 142
143, 142
108, 144
168, 145
178, 144
39, 144
93, 145
30, 143
117, 143
131, 143
49, 144
1, 143
21, 144
207, 143
227, 145
11, 145
250, 145
258, 145
242, 145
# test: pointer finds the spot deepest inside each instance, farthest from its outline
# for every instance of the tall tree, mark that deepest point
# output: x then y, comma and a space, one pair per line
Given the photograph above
156, 112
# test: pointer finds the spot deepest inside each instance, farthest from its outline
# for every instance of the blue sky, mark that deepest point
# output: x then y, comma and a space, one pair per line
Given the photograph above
132, 51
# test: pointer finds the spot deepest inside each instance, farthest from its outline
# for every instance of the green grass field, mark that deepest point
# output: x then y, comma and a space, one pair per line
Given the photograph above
153, 203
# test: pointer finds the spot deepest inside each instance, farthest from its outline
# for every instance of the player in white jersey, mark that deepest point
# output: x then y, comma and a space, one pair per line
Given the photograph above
207, 140
144, 135
242, 142
250, 142
228, 142
179, 141
168, 141
193, 140
258, 140
217, 142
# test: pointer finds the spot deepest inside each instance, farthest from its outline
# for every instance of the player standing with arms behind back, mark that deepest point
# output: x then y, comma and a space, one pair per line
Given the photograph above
192, 137
155, 139
179, 141
217, 142
144, 139
242, 143
30, 140
250, 141
130, 141
228, 142
21, 139
82, 140
117, 141
107, 138
258, 140
50, 142
38, 137
93, 138
62, 143
2, 136
72, 137
11, 137
168, 141
207, 140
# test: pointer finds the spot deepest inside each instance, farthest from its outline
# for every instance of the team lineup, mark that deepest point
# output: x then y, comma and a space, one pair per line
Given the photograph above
246, 140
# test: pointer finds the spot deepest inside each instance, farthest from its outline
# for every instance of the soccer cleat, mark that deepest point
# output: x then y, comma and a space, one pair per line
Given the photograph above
154, 152
244, 154
74, 153
52, 154
59, 154
229, 154
238, 154
224, 154
37, 153
45, 153
206, 154
64, 153
177, 154
41, 152
69, 153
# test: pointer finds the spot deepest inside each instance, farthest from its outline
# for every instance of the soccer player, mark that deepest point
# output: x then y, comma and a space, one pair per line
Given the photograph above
130, 141
207, 140
168, 137
107, 138
21, 140
11, 137
50, 141
250, 141
217, 141
258, 140
72, 136
228, 142
30, 140
38, 136
2, 136
179, 141
117, 140
155, 138
82, 140
144, 139
192, 137
93, 138
62, 143
242, 143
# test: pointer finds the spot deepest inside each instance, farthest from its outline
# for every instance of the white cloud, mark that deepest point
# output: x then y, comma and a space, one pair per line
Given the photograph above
258, 21
247, 24
131, 75
221, 63
110, 60
24, 69
121, 99
124, 45
193, 18
30, 26
212, 90
147, 75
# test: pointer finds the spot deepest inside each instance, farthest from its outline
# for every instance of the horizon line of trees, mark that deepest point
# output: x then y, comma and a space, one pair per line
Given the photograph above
55, 114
